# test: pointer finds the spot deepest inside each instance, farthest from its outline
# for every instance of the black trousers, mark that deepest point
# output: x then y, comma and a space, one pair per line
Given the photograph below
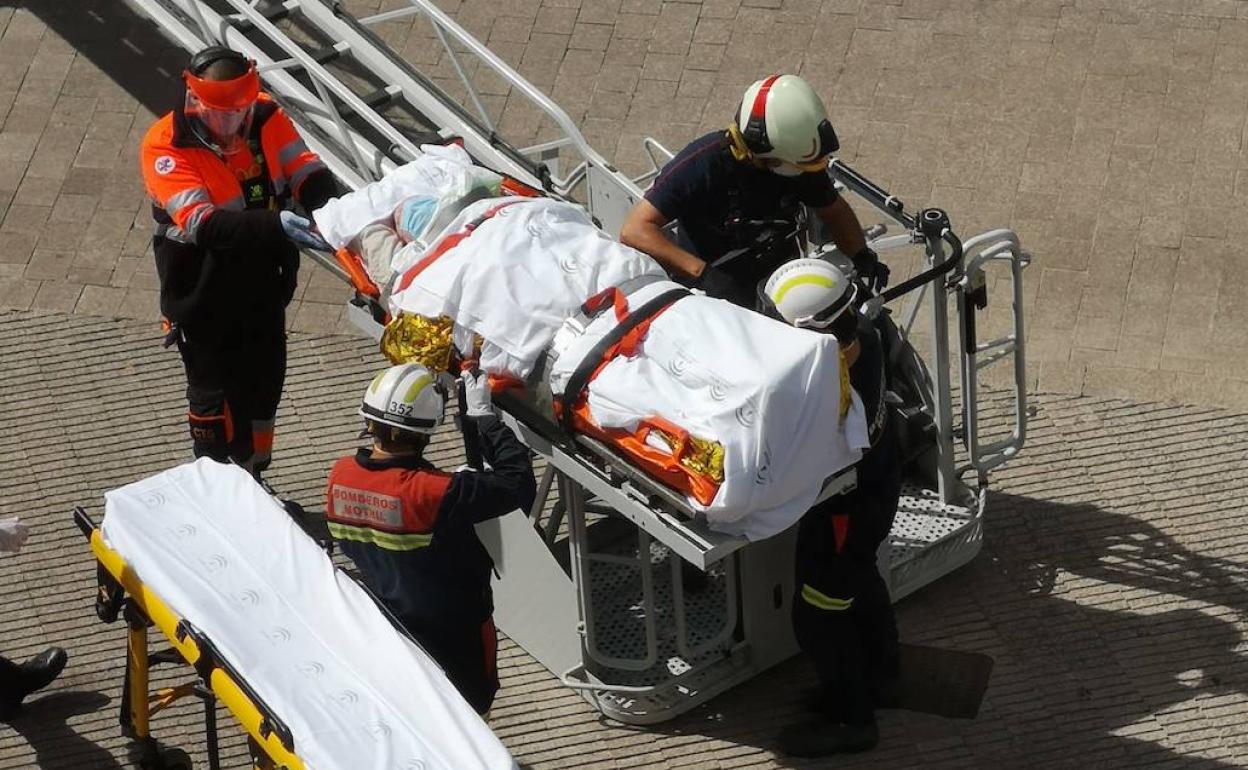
234, 378
468, 653
11, 684
842, 615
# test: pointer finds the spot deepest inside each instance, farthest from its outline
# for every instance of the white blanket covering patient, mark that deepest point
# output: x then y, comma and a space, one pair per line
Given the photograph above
514, 270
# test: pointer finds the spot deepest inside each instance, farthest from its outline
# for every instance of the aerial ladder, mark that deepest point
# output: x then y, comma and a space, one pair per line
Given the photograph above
591, 583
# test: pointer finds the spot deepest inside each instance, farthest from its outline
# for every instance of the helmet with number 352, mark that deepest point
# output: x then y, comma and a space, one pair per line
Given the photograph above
407, 397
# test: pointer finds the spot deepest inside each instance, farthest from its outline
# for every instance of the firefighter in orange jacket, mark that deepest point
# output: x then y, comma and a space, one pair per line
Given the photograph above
409, 526
221, 171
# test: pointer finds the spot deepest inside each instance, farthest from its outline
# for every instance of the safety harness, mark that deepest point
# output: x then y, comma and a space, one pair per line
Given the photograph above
630, 329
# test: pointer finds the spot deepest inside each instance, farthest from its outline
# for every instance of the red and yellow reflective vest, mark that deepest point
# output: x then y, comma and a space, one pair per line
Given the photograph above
410, 527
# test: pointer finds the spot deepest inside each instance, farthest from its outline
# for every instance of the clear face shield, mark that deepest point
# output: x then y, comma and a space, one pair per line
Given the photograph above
224, 130
220, 111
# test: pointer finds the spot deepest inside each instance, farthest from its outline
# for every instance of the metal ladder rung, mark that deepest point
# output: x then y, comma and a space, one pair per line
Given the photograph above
373, 100
994, 351
320, 56
377, 18
326, 55
273, 13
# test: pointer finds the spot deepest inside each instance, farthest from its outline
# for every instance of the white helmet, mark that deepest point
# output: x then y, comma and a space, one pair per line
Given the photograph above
782, 117
809, 293
407, 397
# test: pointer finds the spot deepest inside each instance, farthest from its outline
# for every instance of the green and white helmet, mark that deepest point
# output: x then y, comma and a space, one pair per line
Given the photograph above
781, 117
809, 293
407, 397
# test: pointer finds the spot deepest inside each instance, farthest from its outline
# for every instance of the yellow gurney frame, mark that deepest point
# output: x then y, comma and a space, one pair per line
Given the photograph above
122, 592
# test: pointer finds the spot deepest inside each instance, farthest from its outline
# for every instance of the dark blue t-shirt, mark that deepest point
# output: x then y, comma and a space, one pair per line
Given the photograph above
705, 188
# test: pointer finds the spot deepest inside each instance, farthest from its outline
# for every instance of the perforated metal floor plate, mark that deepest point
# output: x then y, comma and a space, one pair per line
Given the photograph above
931, 538
922, 519
619, 616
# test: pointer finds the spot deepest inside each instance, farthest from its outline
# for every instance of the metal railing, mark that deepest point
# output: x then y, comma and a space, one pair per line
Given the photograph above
949, 271
993, 246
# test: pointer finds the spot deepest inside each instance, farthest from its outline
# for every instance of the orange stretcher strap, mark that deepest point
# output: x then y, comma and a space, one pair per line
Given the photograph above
663, 466
356, 272
510, 186
630, 329
666, 467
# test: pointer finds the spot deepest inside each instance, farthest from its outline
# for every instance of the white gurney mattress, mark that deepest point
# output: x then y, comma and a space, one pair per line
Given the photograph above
355, 693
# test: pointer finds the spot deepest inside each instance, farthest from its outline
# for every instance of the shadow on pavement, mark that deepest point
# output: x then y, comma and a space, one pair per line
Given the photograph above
43, 722
122, 43
1072, 672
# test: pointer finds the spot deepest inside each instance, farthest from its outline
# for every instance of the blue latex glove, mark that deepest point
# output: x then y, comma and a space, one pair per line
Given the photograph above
413, 216
300, 231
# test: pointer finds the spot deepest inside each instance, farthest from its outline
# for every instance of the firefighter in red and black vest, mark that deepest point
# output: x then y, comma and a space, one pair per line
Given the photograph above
221, 171
409, 527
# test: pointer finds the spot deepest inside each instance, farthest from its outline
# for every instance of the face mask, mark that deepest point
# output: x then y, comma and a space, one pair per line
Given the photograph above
413, 216
785, 169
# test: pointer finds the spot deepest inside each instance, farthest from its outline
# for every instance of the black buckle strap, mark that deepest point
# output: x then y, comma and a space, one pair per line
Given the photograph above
585, 369
210, 658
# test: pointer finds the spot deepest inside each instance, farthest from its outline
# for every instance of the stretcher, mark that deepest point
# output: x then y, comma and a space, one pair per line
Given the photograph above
591, 583
745, 416
313, 669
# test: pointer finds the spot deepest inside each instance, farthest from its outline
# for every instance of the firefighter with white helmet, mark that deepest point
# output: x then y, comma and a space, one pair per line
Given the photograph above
811, 293
728, 186
842, 614
409, 527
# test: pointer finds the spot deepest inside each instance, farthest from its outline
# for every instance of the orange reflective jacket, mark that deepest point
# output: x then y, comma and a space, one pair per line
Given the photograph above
248, 266
187, 181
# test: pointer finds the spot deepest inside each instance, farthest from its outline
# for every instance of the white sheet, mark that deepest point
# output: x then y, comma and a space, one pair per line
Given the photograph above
440, 171
355, 693
518, 276
769, 393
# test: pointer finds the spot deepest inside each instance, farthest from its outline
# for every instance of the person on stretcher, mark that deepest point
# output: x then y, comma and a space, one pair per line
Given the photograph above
378, 243
716, 402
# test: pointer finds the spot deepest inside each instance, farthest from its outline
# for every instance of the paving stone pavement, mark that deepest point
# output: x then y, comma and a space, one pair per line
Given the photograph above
1109, 134
1112, 590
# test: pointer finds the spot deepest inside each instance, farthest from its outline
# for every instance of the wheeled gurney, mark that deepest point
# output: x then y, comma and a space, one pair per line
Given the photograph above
590, 584
315, 671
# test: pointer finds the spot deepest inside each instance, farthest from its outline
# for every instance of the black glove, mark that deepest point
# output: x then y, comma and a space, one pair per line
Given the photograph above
716, 283
870, 270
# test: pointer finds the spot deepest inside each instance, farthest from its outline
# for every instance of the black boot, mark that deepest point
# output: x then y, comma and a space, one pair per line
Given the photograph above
886, 694
31, 676
822, 737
